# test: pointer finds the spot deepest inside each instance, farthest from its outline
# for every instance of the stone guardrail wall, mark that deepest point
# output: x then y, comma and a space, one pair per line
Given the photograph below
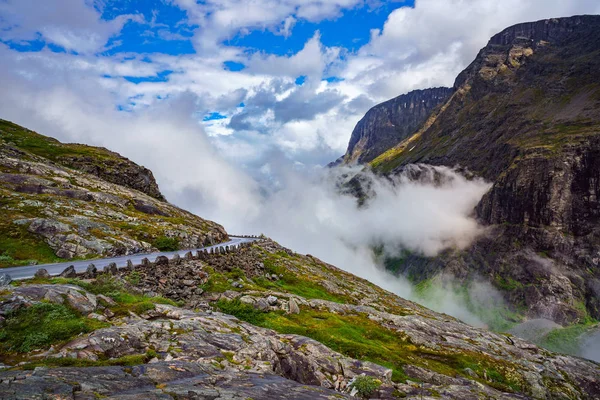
176, 259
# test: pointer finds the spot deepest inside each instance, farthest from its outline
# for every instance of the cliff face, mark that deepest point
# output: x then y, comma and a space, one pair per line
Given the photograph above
103, 163
391, 122
49, 211
526, 116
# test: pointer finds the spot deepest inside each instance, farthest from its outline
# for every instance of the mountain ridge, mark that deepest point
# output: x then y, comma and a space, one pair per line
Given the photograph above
65, 201
524, 115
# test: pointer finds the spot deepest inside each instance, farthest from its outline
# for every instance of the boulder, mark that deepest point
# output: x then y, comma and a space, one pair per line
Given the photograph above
69, 272
293, 307
90, 272
162, 260
272, 300
5, 280
42, 273
111, 269
74, 296
262, 304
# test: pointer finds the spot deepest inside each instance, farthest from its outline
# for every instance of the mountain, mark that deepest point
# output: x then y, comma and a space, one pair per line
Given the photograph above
262, 322
525, 115
65, 201
391, 122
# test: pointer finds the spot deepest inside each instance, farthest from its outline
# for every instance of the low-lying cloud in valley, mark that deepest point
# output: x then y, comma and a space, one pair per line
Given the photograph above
300, 207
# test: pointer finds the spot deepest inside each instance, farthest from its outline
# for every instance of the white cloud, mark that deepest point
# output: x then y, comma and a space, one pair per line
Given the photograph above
73, 24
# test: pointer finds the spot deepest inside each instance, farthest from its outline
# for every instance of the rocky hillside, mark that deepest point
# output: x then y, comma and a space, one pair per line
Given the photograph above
525, 115
65, 201
391, 122
262, 322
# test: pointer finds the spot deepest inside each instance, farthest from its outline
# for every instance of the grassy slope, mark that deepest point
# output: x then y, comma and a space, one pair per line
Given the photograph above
352, 334
48, 147
20, 247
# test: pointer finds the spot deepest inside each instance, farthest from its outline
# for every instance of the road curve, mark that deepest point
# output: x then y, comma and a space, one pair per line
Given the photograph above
28, 271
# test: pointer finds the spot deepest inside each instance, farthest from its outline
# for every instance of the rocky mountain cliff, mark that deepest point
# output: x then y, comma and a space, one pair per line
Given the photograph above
103, 163
524, 115
388, 123
65, 201
262, 322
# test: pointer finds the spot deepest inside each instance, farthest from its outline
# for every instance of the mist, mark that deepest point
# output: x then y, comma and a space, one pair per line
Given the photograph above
300, 206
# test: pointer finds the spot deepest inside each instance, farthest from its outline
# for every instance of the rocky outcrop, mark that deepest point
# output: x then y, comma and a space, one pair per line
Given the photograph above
196, 351
524, 115
163, 380
51, 210
391, 122
105, 164
118, 170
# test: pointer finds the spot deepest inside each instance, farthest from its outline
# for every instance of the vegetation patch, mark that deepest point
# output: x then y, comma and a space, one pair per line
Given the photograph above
131, 360
356, 336
42, 324
164, 243
365, 386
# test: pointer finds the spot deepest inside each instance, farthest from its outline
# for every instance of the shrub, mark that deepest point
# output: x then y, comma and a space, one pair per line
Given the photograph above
365, 385
164, 243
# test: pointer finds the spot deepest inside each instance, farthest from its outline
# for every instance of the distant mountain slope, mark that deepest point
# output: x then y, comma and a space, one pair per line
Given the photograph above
61, 201
392, 121
526, 115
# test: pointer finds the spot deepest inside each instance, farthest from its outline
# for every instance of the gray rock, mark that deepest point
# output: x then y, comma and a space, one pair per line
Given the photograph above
69, 272
42, 273
111, 269
272, 300
90, 272
161, 260
262, 304
74, 296
293, 307
5, 280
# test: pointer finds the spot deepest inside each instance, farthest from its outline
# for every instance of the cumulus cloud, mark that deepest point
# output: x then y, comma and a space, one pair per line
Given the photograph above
72, 24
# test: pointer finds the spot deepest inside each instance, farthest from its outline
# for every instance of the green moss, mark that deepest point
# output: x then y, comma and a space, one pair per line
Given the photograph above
131, 360
41, 325
507, 283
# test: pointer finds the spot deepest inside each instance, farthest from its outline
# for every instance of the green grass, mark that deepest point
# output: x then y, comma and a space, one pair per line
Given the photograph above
365, 386
566, 340
356, 336
497, 317
42, 324
109, 286
18, 246
164, 243
48, 147
294, 283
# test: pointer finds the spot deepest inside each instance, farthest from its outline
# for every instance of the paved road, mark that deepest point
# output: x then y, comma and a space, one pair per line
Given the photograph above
80, 266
